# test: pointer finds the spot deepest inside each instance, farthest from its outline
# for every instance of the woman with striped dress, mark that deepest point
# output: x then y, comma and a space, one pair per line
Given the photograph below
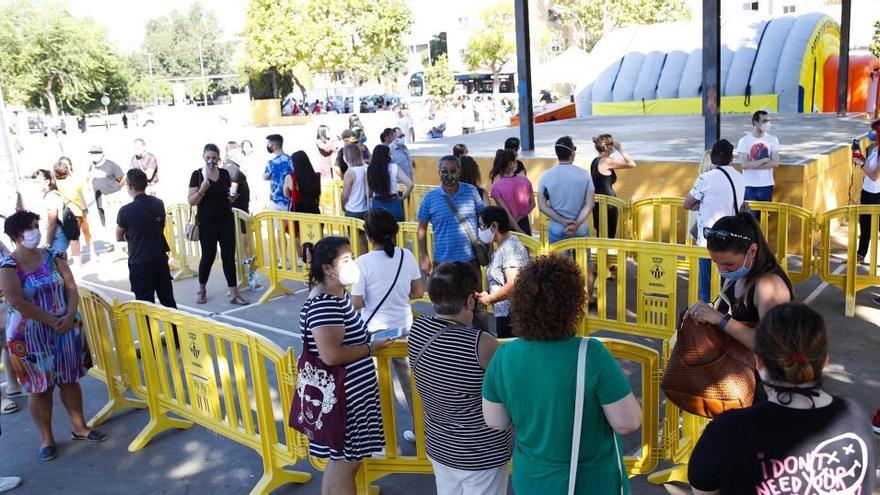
336, 334
449, 359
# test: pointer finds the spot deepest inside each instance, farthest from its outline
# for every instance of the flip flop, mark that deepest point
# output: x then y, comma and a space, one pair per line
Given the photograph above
8, 407
201, 297
47, 452
238, 301
17, 393
94, 436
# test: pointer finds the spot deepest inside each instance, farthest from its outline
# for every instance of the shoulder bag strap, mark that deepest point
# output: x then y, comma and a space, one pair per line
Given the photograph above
735, 200
396, 276
461, 221
578, 413
430, 341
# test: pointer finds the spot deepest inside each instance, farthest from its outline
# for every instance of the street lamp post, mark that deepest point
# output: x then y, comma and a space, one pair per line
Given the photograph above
202, 70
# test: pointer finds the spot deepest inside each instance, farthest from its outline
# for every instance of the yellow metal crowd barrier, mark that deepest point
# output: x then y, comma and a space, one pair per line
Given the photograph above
789, 232
854, 278
660, 220
278, 241
111, 361
221, 378
331, 197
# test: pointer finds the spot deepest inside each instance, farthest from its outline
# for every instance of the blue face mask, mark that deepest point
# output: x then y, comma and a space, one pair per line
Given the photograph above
736, 274
872, 136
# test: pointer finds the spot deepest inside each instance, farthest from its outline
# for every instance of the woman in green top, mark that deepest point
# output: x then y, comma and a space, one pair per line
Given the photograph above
529, 386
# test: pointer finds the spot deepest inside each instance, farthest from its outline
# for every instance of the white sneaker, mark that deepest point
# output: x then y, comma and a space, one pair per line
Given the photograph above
409, 436
9, 483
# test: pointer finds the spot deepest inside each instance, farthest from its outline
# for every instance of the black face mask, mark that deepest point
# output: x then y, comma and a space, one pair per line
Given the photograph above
270, 149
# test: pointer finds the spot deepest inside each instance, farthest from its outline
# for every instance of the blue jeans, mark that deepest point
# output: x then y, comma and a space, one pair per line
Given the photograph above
395, 206
356, 214
60, 243
761, 193
705, 279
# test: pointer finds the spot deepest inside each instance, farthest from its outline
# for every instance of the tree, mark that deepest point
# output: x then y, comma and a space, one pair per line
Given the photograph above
300, 37
492, 45
438, 46
174, 41
439, 79
589, 19
54, 59
875, 41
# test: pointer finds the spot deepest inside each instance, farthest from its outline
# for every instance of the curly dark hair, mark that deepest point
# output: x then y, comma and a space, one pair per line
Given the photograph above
548, 299
18, 222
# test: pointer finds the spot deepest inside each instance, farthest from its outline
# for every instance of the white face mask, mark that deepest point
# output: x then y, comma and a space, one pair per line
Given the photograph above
486, 235
401, 141
31, 238
349, 273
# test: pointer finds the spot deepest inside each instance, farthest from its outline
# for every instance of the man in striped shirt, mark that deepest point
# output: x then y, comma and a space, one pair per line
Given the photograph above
449, 358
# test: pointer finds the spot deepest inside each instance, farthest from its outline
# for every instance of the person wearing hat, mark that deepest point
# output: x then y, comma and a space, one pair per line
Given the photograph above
107, 179
713, 196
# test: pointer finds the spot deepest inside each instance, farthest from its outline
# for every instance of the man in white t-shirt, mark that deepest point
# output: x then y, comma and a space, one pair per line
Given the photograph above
759, 155
712, 197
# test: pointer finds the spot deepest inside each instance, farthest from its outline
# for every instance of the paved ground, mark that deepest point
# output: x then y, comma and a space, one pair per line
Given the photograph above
197, 461
666, 138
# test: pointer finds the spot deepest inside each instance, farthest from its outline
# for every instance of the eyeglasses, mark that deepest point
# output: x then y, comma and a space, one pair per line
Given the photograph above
722, 235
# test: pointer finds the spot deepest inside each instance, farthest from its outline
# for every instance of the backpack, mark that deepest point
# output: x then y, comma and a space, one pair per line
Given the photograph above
68, 222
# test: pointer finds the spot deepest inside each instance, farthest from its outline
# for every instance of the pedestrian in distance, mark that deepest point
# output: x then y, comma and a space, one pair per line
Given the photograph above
539, 369
107, 179
400, 154
603, 172
71, 189
449, 358
336, 334
278, 168
566, 194
44, 330
326, 147
141, 224
802, 439
210, 191
759, 155
512, 191
383, 176
459, 150
870, 191
146, 162
355, 191
513, 144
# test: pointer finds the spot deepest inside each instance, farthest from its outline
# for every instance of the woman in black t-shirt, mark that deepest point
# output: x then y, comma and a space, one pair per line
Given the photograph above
209, 189
802, 440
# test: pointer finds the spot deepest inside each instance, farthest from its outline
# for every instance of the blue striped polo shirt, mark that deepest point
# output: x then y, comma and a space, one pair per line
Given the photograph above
450, 239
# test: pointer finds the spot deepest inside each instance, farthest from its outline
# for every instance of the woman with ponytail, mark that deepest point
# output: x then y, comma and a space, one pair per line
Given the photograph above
390, 277
802, 439
754, 282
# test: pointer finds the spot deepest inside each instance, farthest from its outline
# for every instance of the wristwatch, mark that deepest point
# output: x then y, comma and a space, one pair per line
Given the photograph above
724, 321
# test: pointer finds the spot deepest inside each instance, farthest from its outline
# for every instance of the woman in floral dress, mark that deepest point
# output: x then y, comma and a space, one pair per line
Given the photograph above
44, 332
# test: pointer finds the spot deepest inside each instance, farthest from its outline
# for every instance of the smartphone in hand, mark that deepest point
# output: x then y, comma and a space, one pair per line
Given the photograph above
388, 333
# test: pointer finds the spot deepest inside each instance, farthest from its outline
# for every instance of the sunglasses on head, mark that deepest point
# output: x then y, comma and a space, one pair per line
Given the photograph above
722, 235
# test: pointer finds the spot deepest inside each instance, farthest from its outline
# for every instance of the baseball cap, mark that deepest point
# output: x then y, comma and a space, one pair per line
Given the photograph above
96, 148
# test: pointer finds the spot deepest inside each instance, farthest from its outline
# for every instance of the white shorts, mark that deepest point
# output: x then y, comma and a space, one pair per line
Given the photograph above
276, 207
451, 481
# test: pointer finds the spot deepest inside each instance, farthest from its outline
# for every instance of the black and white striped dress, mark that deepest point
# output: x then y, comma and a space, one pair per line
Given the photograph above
363, 424
449, 380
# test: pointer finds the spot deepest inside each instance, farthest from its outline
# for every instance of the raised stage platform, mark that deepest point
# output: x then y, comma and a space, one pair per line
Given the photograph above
815, 153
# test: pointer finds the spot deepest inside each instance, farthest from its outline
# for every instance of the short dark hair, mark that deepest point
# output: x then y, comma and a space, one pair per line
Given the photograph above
18, 222
722, 153
137, 179
792, 342
449, 158
140, 140
450, 286
564, 148
275, 139
496, 214
385, 133
549, 298
756, 117
511, 143
211, 147
381, 228
459, 149
324, 252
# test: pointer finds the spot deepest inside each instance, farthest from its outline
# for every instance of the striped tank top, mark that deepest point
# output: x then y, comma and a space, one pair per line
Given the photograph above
449, 380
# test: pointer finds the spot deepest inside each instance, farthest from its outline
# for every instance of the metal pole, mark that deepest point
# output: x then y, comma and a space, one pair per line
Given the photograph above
711, 73
7, 158
524, 73
843, 66
152, 81
202, 70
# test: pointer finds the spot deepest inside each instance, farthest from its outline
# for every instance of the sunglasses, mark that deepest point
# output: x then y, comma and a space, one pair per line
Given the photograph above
722, 235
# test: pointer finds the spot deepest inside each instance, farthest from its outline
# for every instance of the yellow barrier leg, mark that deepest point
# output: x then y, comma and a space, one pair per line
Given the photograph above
184, 271
363, 483
673, 474
158, 423
275, 290
273, 479
114, 405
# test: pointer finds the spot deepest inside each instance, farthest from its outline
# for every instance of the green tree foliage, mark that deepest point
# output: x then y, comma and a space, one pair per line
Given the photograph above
299, 37
173, 41
588, 19
53, 60
439, 79
875, 41
492, 45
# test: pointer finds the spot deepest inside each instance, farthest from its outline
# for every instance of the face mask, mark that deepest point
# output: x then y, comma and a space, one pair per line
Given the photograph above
401, 141
269, 149
448, 179
486, 235
737, 274
349, 273
31, 238
872, 136
210, 162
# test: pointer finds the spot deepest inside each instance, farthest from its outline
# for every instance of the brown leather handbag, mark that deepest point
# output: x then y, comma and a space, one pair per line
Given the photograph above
709, 371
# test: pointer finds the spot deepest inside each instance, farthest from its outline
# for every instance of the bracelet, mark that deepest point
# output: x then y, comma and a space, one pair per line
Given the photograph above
370, 349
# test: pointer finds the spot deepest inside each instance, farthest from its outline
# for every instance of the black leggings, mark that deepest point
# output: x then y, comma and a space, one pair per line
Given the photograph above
612, 221
211, 233
865, 222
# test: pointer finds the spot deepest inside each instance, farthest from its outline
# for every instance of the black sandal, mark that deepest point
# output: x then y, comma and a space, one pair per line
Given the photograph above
94, 436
